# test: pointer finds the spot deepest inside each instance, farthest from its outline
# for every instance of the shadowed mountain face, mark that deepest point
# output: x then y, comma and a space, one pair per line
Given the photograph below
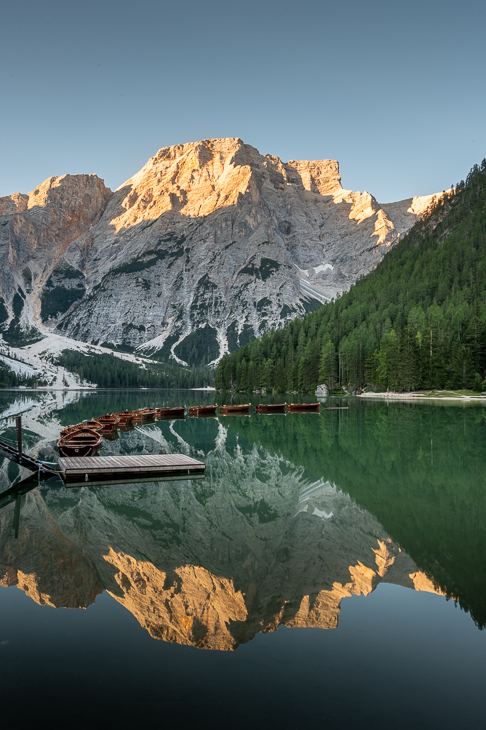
260, 542
209, 245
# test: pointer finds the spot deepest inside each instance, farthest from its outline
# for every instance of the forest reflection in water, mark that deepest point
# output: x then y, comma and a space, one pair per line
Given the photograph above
296, 513
362, 521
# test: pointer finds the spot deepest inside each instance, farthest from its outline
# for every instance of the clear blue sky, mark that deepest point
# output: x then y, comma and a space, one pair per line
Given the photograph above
396, 91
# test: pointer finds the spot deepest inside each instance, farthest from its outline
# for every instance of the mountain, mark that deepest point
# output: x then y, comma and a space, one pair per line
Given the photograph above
417, 321
210, 245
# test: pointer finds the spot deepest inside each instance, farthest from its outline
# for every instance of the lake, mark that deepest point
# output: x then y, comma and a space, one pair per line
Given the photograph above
330, 568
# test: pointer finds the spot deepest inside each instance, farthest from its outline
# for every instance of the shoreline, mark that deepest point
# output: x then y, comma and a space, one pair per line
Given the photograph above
422, 396
50, 388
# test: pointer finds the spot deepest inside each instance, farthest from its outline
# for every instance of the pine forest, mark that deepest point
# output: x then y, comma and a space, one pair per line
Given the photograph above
417, 321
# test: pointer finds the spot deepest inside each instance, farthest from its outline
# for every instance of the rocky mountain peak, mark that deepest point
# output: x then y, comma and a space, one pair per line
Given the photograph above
210, 244
320, 176
53, 215
199, 178
192, 179
15, 203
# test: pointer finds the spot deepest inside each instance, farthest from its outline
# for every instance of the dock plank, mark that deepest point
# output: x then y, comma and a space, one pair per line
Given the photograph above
126, 465
127, 460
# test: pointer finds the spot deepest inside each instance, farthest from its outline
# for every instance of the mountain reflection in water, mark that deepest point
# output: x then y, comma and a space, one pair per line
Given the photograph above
294, 515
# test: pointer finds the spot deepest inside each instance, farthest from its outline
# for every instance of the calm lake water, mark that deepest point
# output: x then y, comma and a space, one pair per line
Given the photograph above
330, 568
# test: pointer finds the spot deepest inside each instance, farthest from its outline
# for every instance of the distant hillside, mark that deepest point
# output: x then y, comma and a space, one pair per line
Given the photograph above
417, 321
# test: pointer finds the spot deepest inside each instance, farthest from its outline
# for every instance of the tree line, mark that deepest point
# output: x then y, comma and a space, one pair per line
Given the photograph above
417, 321
109, 371
10, 379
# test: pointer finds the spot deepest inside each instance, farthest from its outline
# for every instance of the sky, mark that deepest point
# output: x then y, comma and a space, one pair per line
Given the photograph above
395, 91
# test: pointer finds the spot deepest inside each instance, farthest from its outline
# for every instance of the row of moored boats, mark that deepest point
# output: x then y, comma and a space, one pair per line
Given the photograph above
86, 438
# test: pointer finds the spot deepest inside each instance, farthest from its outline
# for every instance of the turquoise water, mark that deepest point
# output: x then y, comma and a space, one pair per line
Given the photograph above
329, 568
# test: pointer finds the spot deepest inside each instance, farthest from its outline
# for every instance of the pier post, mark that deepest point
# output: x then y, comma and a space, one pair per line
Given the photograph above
18, 426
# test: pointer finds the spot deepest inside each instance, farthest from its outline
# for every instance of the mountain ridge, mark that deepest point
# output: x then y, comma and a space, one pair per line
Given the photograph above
209, 245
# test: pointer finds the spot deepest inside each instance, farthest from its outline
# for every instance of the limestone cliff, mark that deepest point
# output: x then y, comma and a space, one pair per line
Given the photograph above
35, 230
208, 245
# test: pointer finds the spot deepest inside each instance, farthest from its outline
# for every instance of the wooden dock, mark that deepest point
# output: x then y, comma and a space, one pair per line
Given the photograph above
82, 471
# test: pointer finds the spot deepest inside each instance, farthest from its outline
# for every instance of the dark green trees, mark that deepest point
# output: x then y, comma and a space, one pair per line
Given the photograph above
109, 371
417, 321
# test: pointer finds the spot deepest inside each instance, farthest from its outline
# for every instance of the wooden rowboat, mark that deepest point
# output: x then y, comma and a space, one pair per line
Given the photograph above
203, 410
109, 423
92, 425
243, 408
271, 407
83, 442
176, 412
314, 407
69, 429
84, 428
124, 417
145, 414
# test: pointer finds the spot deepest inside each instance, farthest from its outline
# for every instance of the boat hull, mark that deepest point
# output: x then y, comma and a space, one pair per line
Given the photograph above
78, 450
271, 407
202, 410
311, 407
108, 423
124, 417
176, 412
145, 415
244, 408
93, 426
80, 443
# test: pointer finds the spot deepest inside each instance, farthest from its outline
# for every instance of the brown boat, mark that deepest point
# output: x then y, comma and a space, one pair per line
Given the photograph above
108, 423
84, 428
69, 429
271, 407
124, 417
313, 407
176, 412
145, 414
93, 425
83, 442
203, 410
243, 408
